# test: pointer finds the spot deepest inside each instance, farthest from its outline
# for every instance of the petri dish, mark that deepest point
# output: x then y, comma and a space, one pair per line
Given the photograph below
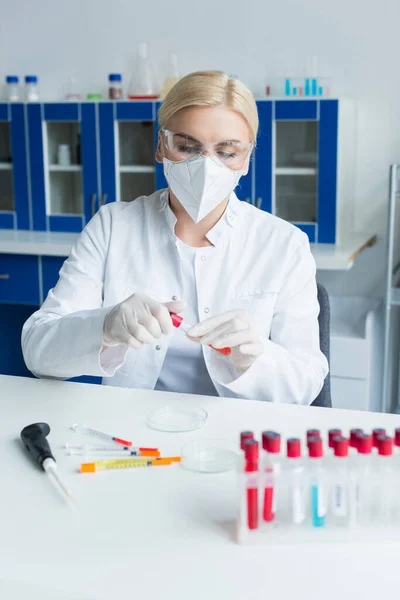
177, 418
210, 456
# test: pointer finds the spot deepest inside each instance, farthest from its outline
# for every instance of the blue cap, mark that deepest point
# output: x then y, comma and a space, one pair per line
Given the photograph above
12, 79
115, 77
31, 79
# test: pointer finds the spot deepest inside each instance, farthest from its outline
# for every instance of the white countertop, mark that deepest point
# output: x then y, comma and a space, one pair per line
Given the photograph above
339, 257
166, 533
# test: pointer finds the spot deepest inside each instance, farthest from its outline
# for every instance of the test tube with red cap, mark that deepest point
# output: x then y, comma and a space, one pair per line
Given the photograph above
251, 469
397, 441
354, 437
376, 434
332, 433
363, 488
296, 482
179, 323
339, 490
271, 467
387, 500
318, 482
312, 433
245, 435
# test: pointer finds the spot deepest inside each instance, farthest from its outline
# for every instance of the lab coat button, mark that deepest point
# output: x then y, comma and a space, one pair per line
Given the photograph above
174, 298
203, 258
206, 310
158, 347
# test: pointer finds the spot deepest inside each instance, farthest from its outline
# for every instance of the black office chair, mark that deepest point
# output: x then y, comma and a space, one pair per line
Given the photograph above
324, 397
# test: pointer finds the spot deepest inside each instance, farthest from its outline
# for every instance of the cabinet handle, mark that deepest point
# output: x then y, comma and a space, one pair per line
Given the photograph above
104, 199
4, 276
258, 202
94, 196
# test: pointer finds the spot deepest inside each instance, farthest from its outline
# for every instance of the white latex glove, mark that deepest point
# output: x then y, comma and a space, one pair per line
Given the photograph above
139, 320
234, 330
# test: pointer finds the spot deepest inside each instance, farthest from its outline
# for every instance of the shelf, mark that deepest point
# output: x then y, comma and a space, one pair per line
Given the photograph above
65, 168
341, 257
137, 169
295, 171
395, 299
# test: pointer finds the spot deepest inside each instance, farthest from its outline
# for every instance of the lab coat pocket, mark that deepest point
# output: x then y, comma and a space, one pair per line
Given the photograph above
259, 306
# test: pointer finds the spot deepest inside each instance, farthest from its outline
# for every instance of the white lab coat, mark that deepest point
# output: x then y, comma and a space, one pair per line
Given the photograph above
262, 264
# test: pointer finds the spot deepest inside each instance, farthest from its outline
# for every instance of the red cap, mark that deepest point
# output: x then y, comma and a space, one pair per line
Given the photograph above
385, 445
364, 443
397, 437
312, 433
332, 433
341, 446
315, 447
354, 435
251, 450
293, 448
271, 441
376, 433
245, 435
176, 320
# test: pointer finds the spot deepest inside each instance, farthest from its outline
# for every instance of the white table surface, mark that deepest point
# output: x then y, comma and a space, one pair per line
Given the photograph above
331, 257
162, 533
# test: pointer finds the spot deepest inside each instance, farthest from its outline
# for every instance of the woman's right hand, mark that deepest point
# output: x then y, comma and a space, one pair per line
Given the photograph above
139, 320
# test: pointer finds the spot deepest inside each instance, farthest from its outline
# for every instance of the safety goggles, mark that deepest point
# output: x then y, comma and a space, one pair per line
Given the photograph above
181, 146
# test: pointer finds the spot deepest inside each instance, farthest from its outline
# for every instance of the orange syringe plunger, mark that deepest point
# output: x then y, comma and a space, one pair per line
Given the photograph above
179, 323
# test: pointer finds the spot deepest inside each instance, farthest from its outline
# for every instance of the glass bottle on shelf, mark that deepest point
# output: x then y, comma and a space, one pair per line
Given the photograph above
115, 90
173, 75
12, 88
143, 84
72, 94
31, 88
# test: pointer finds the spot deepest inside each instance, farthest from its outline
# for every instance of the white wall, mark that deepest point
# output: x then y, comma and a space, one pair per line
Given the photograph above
256, 39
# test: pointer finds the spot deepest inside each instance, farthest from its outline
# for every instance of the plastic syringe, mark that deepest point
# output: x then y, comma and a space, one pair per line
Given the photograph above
179, 323
75, 449
34, 439
105, 436
127, 463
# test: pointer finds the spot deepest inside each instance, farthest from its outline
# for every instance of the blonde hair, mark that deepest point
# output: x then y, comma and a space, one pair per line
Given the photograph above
210, 88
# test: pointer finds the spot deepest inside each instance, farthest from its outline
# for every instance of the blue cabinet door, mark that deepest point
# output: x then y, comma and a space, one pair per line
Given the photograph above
13, 168
45, 174
263, 159
327, 170
123, 170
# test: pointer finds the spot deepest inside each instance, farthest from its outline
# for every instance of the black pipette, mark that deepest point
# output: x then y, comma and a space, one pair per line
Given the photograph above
34, 439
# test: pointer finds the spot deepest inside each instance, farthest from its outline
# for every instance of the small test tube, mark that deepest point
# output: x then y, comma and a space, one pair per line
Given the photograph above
362, 480
332, 434
353, 441
317, 482
376, 434
251, 469
244, 436
339, 491
295, 475
312, 433
179, 323
271, 443
385, 475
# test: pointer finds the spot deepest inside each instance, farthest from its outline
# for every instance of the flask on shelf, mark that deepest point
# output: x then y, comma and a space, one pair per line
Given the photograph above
115, 91
31, 88
143, 84
72, 94
173, 75
12, 88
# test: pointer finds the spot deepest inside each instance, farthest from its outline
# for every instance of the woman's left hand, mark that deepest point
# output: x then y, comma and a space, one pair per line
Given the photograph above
231, 330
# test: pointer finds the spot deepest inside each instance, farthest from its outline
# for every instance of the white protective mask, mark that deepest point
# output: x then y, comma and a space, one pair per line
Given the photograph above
200, 184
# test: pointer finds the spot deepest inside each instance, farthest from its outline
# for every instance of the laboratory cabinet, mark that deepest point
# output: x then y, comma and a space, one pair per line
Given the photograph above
59, 162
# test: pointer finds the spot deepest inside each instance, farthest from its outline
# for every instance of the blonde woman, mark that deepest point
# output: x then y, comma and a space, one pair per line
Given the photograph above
244, 279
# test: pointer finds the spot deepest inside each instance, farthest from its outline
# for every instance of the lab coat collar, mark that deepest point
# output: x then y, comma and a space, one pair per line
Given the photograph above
220, 231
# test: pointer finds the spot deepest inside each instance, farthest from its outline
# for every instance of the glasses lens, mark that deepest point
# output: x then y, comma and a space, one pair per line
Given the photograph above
232, 154
180, 147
